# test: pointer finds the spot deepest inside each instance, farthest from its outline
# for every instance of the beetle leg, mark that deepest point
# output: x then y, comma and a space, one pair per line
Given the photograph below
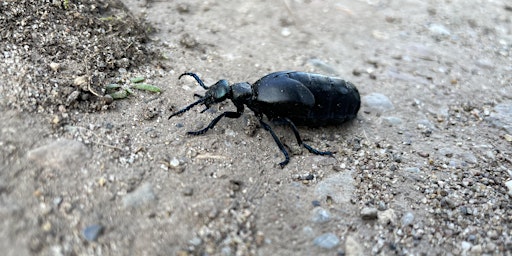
278, 142
196, 78
299, 140
228, 114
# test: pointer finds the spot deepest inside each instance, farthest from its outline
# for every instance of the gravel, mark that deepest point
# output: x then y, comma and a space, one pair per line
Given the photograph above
428, 155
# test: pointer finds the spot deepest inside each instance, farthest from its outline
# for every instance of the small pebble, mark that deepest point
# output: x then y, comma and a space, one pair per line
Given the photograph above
381, 206
387, 217
391, 120
324, 66
423, 154
286, 32
81, 82
320, 215
308, 231
57, 201
188, 191
501, 117
412, 169
92, 232
508, 184
448, 152
330, 189
47, 226
54, 66
327, 241
377, 102
139, 196
493, 234
108, 99
407, 219
476, 250
439, 29
465, 246
485, 64
369, 213
62, 154
196, 241
72, 97
174, 163
353, 246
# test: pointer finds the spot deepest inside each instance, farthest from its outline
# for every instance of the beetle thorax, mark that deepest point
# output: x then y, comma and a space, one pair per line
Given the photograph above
241, 92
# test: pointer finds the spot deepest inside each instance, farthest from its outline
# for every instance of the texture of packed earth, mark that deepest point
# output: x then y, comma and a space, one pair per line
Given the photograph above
91, 165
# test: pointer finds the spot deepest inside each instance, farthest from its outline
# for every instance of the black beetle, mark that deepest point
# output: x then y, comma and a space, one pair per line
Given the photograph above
287, 96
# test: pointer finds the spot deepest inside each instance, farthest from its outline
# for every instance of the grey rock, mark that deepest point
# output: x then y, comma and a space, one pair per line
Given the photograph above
353, 247
439, 29
465, 246
485, 64
377, 102
425, 124
339, 187
407, 219
139, 196
369, 213
448, 152
320, 215
387, 217
92, 232
469, 158
412, 169
307, 231
391, 120
196, 241
57, 201
329, 69
61, 155
327, 241
502, 116
508, 184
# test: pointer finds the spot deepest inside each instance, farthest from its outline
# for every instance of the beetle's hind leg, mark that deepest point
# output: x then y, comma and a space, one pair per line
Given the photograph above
299, 140
278, 142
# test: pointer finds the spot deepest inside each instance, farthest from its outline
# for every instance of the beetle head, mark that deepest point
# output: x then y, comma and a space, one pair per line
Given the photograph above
218, 92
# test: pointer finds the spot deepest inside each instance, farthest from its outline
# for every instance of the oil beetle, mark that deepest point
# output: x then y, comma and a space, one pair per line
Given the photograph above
289, 97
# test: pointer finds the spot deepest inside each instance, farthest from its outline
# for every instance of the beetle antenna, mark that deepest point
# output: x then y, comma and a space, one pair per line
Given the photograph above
187, 108
195, 77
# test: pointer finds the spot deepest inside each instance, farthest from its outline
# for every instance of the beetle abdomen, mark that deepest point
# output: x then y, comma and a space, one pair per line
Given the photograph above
335, 100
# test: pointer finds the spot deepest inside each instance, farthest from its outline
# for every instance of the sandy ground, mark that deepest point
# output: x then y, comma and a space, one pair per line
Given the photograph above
424, 169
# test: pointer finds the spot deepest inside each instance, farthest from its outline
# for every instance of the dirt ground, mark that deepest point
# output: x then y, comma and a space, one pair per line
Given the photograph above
424, 169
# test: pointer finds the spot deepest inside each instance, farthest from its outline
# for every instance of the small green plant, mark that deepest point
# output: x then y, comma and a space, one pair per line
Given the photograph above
118, 91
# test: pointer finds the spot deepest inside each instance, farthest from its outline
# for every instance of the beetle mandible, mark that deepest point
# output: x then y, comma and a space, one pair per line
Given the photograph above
290, 97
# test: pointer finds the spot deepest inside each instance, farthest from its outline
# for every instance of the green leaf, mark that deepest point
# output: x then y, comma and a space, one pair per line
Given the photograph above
147, 87
112, 86
121, 94
137, 79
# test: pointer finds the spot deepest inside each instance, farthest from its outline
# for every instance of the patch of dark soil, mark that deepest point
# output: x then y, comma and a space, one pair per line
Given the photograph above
61, 54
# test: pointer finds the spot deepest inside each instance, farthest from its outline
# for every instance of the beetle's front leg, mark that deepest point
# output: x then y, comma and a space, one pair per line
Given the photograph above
278, 142
228, 114
301, 143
